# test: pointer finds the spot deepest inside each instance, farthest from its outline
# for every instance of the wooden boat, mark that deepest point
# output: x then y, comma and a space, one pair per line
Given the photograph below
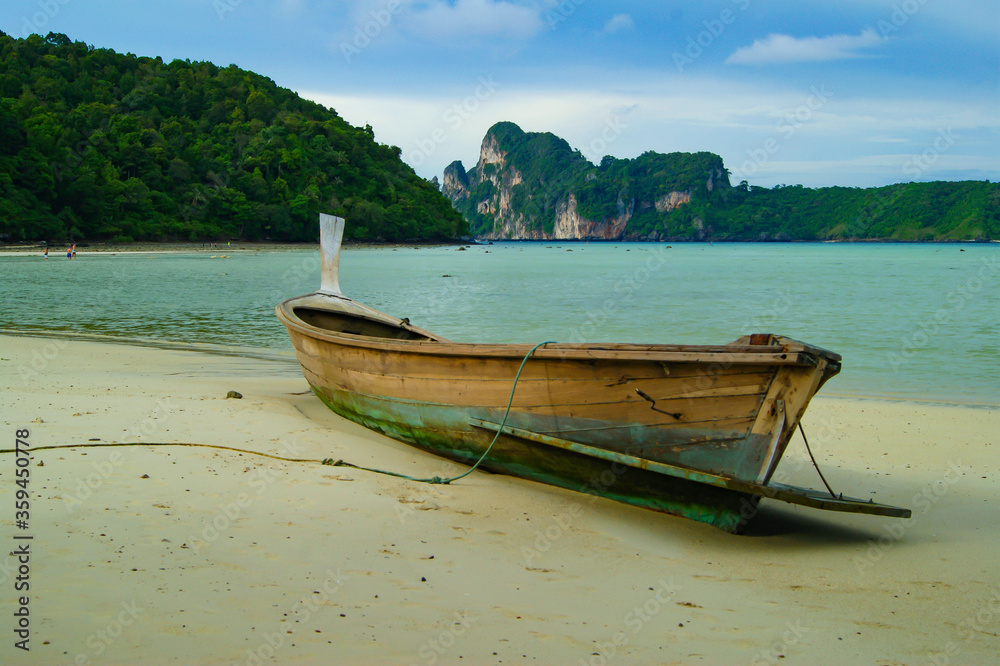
695, 431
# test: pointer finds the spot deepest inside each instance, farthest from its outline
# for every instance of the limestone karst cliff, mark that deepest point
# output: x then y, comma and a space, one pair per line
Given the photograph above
534, 186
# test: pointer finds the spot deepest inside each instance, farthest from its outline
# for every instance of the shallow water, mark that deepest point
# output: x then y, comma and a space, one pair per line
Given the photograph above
917, 321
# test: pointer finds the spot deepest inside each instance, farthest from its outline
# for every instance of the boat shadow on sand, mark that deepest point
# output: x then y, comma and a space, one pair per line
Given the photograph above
779, 521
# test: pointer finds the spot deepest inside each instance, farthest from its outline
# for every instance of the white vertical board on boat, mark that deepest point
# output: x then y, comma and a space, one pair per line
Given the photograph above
331, 234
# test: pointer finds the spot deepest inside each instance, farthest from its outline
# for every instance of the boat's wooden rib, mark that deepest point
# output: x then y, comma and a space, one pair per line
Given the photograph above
610, 419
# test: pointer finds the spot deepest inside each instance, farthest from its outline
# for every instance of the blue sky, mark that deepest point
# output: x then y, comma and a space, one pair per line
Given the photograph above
845, 92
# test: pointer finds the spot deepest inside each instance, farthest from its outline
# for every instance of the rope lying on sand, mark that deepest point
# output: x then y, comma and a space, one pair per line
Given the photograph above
325, 461
207, 446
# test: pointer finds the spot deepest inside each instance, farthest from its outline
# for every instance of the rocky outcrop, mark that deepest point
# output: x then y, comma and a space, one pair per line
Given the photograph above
455, 183
492, 168
569, 224
490, 152
528, 186
673, 200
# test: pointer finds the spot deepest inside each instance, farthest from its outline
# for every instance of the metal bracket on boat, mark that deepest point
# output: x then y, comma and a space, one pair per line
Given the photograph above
652, 405
785, 493
772, 447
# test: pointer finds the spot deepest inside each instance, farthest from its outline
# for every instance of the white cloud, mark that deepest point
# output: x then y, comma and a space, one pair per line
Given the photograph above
619, 22
439, 20
786, 49
733, 118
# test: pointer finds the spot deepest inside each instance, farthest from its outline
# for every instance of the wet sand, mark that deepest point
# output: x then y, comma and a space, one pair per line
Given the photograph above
189, 554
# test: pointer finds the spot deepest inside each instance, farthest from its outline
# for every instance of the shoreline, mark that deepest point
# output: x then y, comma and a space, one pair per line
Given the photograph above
56, 250
152, 247
223, 556
170, 247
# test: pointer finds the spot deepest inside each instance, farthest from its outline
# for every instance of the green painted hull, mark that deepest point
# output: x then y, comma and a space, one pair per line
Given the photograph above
444, 430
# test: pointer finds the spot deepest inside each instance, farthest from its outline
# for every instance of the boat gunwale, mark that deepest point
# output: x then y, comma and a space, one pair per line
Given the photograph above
789, 352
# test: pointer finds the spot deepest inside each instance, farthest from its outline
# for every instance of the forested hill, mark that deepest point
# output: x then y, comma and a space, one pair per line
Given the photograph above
534, 185
99, 145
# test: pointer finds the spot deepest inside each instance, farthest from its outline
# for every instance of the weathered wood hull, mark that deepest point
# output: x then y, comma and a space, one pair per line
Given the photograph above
726, 410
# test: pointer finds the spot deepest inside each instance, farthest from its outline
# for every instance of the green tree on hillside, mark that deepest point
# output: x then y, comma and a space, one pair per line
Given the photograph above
100, 145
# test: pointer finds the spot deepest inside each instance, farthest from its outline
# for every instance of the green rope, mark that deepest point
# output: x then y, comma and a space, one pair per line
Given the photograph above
90, 445
330, 462
438, 479
503, 421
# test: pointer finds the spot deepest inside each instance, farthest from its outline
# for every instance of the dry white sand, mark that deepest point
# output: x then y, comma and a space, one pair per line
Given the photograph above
197, 555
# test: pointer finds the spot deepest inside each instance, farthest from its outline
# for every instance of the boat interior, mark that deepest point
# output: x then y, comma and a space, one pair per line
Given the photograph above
354, 324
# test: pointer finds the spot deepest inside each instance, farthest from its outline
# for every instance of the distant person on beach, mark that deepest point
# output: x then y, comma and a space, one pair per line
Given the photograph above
46, 253
69, 253
74, 250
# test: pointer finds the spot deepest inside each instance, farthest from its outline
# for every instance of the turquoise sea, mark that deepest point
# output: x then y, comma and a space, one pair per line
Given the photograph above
913, 321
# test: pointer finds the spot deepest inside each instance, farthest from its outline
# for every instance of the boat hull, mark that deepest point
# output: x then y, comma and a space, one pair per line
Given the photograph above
728, 410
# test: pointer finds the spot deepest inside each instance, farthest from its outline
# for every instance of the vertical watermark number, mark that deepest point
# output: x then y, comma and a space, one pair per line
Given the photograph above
22, 545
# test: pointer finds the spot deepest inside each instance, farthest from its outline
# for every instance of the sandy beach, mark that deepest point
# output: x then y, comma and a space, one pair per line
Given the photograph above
58, 250
190, 554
